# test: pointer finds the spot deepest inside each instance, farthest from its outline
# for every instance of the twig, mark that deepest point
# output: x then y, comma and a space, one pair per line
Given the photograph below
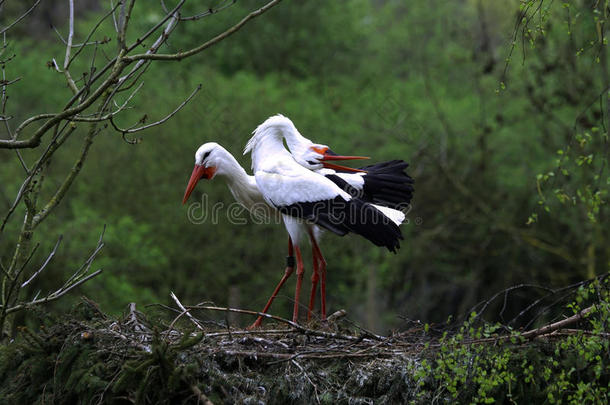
5, 84
572, 332
151, 31
186, 312
62, 39
539, 332
63, 189
298, 327
80, 118
213, 41
161, 121
53, 296
44, 265
504, 292
172, 23
558, 325
86, 42
20, 17
112, 10
367, 332
69, 79
124, 18
87, 264
207, 12
553, 292
315, 387
53, 145
140, 346
251, 332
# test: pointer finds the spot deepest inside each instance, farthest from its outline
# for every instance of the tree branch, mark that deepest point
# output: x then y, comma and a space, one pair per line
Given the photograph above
181, 55
35, 139
186, 312
2, 31
69, 79
161, 121
558, 325
53, 296
44, 265
61, 192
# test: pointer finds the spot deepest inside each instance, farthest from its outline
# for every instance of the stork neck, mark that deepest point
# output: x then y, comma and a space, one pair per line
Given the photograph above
231, 170
241, 185
294, 140
269, 146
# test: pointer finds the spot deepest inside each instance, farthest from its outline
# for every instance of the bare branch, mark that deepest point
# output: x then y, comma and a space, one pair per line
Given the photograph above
208, 12
187, 313
155, 46
7, 126
112, 10
35, 139
135, 79
2, 31
61, 191
539, 332
558, 325
111, 114
48, 151
71, 83
37, 272
56, 66
300, 328
84, 268
124, 22
161, 121
74, 281
86, 42
61, 38
181, 55
9, 82
113, 62
25, 263
158, 25
53, 296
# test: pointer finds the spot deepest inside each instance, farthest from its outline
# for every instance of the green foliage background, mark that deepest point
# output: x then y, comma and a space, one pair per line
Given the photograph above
500, 130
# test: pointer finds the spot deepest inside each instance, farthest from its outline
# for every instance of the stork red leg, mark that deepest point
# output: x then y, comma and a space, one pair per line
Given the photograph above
314, 283
297, 291
289, 270
322, 271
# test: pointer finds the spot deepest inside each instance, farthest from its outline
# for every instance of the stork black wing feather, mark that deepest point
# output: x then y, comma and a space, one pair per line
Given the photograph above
357, 216
385, 183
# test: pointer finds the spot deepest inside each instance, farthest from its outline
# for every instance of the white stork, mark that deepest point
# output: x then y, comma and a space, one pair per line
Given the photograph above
385, 183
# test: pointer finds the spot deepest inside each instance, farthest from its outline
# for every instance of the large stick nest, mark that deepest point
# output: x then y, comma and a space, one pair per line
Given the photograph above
89, 357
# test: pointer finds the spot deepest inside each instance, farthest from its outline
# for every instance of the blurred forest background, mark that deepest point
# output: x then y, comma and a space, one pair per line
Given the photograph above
503, 122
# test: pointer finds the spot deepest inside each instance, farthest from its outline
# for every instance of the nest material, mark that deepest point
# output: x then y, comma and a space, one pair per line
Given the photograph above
92, 358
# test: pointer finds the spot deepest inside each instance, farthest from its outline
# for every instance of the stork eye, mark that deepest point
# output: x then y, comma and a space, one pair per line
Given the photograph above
312, 163
205, 155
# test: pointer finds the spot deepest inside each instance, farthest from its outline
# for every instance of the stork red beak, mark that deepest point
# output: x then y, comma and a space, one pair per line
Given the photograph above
199, 172
328, 154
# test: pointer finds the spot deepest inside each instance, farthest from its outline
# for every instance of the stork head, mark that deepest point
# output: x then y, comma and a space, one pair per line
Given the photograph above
316, 156
207, 165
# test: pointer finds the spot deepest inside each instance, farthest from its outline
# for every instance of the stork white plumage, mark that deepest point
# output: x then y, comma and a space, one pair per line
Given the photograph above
212, 160
304, 195
384, 183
